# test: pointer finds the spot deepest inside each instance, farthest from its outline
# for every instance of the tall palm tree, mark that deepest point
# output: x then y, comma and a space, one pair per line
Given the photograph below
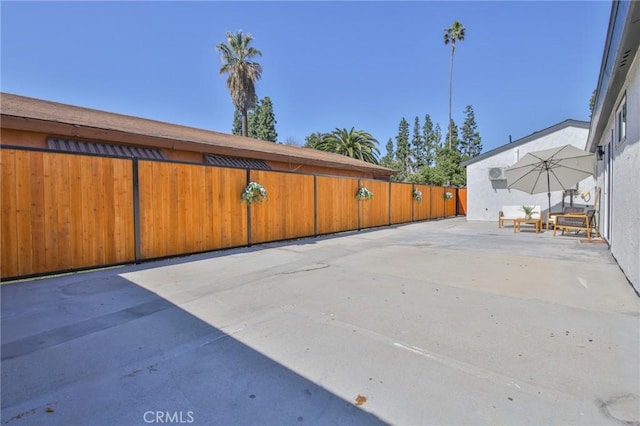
451, 35
237, 61
353, 143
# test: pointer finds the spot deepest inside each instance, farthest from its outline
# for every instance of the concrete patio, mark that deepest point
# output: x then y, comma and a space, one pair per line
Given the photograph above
441, 322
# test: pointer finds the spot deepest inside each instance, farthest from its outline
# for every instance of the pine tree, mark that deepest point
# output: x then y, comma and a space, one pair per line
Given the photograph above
447, 170
265, 121
252, 121
471, 142
438, 136
452, 133
388, 159
431, 140
592, 102
402, 150
261, 121
418, 147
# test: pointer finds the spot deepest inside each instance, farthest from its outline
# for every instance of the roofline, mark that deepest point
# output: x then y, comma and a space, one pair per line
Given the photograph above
168, 136
533, 136
614, 66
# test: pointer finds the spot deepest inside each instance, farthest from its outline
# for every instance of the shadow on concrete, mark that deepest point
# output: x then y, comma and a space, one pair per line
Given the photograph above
95, 348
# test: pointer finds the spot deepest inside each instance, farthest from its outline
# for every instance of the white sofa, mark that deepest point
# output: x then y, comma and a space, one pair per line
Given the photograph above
510, 213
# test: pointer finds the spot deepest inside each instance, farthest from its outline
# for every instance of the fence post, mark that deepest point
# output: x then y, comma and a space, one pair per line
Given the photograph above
430, 201
413, 187
389, 204
315, 205
136, 210
359, 203
248, 211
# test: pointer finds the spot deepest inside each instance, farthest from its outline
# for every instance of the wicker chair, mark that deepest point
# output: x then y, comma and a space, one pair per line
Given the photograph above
551, 216
577, 222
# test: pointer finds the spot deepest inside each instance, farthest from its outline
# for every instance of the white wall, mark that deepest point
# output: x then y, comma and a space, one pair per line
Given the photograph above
485, 197
624, 174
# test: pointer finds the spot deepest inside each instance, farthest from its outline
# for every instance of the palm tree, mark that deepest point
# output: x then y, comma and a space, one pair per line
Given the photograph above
451, 35
353, 143
236, 56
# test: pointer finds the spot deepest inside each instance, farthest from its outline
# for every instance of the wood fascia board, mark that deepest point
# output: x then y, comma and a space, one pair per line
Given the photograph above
62, 129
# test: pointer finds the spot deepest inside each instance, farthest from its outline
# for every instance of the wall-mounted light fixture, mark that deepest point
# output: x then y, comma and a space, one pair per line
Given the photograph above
600, 152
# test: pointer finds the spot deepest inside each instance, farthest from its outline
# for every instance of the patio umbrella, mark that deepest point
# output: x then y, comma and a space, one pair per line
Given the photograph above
549, 170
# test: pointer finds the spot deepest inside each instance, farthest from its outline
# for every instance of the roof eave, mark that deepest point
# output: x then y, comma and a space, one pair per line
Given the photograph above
66, 129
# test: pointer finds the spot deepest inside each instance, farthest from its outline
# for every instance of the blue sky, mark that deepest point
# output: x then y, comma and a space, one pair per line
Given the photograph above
524, 66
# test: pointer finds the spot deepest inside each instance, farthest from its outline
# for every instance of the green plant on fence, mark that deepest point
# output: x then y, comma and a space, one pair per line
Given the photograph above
417, 194
364, 194
528, 211
254, 193
448, 195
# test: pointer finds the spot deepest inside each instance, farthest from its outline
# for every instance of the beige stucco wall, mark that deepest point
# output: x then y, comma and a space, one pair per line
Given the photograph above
486, 197
618, 175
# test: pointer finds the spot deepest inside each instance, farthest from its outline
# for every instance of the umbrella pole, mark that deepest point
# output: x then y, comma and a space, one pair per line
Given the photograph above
546, 166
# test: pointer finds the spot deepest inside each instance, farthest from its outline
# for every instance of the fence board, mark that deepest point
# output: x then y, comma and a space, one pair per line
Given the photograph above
437, 202
462, 201
450, 203
63, 211
289, 209
422, 209
232, 218
337, 204
402, 202
45, 222
9, 212
24, 225
375, 212
182, 206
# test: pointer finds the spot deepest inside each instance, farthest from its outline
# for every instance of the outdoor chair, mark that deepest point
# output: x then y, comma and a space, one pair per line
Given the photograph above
577, 222
551, 216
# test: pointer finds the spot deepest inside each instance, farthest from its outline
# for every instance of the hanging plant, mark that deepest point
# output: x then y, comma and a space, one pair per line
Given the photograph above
254, 193
417, 194
364, 194
448, 195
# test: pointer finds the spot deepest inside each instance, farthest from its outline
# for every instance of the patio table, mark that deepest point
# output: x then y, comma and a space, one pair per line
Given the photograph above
536, 222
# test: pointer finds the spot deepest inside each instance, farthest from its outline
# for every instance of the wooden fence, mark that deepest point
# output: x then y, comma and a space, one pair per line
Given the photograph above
63, 212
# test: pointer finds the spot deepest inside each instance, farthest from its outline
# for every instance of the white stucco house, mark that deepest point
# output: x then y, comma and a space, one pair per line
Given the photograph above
614, 135
487, 188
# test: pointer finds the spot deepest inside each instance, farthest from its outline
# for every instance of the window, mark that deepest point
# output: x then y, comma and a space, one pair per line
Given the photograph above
621, 120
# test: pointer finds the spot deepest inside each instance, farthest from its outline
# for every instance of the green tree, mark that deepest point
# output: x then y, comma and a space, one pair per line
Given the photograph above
418, 146
451, 140
252, 120
236, 127
592, 102
262, 121
352, 143
389, 161
470, 142
431, 139
313, 140
403, 155
453, 34
447, 170
237, 62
